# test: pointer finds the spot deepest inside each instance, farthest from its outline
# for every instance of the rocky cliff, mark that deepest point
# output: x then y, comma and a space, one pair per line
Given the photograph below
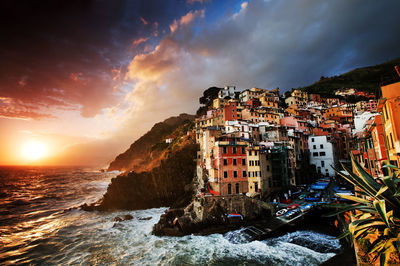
157, 173
144, 153
169, 184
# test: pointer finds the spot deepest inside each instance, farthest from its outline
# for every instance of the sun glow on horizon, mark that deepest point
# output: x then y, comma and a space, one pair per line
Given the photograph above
34, 150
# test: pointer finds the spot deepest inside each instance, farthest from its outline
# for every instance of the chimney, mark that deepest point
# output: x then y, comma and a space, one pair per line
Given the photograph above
397, 69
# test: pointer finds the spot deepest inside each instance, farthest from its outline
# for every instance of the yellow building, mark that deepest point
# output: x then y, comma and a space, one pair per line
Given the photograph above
254, 170
268, 100
257, 116
293, 109
344, 114
389, 106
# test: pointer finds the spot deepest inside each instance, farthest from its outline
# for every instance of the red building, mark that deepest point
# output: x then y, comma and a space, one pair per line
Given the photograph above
230, 112
230, 160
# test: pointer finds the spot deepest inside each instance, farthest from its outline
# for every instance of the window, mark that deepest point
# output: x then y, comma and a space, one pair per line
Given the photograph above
225, 174
321, 146
243, 161
322, 153
391, 139
234, 174
315, 154
312, 139
225, 162
386, 113
229, 189
234, 162
234, 150
268, 168
250, 174
224, 150
244, 174
314, 147
256, 186
243, 150
237, 188
322, 164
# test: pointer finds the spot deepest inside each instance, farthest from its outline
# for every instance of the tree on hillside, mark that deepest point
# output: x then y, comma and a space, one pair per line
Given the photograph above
206, 100
209, 95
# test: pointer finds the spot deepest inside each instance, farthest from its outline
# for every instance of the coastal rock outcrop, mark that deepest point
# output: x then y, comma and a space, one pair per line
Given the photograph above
205, 215
169, 184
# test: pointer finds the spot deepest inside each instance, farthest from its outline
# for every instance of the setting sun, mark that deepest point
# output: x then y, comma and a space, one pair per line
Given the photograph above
34, 150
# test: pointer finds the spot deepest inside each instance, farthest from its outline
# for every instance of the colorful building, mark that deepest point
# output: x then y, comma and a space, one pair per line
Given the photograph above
230, 162
389, 106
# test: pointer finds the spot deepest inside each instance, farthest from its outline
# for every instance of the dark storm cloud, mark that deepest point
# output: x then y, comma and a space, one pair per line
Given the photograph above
266, 44
293, 43
72, 54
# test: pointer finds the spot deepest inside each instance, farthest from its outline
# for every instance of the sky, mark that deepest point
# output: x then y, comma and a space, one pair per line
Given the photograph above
80, 80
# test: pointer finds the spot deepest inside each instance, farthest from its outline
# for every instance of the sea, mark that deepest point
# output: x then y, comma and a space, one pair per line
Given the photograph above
41, 224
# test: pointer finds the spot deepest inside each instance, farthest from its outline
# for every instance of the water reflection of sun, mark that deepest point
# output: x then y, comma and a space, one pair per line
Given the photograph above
34, 150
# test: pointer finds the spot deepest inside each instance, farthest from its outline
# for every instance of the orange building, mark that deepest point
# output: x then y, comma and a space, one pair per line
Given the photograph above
389, 106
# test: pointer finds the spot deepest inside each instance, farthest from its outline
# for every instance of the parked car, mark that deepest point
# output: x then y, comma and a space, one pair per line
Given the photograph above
292, 207
291, 214
281, 212
306, 208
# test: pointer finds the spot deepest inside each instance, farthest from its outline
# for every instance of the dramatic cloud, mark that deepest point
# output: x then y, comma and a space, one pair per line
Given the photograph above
138, 62
266, 44
63, 53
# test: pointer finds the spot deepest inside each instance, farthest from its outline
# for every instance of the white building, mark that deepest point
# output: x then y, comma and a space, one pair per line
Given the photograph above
238, 126
227, 91
360, 121
322, 154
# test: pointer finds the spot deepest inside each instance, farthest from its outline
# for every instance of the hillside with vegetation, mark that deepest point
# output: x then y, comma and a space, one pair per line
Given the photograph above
367, 79
147, 152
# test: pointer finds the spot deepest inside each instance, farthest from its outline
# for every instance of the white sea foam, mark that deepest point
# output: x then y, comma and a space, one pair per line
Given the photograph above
79, 237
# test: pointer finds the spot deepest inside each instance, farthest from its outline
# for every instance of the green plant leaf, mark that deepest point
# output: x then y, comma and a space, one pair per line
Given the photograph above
381, 208
383, 258
376, 245
343, 235
370, 185
388, 181
390, 166
369, 225
351, 208
356, 199
360, 233
383, 189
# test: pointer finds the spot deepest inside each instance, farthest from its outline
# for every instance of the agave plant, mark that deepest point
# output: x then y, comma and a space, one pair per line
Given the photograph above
375, 211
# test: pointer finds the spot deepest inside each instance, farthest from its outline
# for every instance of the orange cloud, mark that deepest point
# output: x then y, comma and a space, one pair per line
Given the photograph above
144, 21
139, 41
174, 26
186, 19
189, 17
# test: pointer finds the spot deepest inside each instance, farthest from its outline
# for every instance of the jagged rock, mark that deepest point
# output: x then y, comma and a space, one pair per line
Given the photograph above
127, 217
210, 217
117, 219
163, 186
88, 207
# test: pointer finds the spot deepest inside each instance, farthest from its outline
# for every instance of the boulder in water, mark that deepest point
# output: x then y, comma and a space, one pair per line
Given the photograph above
117, 219
127, 217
